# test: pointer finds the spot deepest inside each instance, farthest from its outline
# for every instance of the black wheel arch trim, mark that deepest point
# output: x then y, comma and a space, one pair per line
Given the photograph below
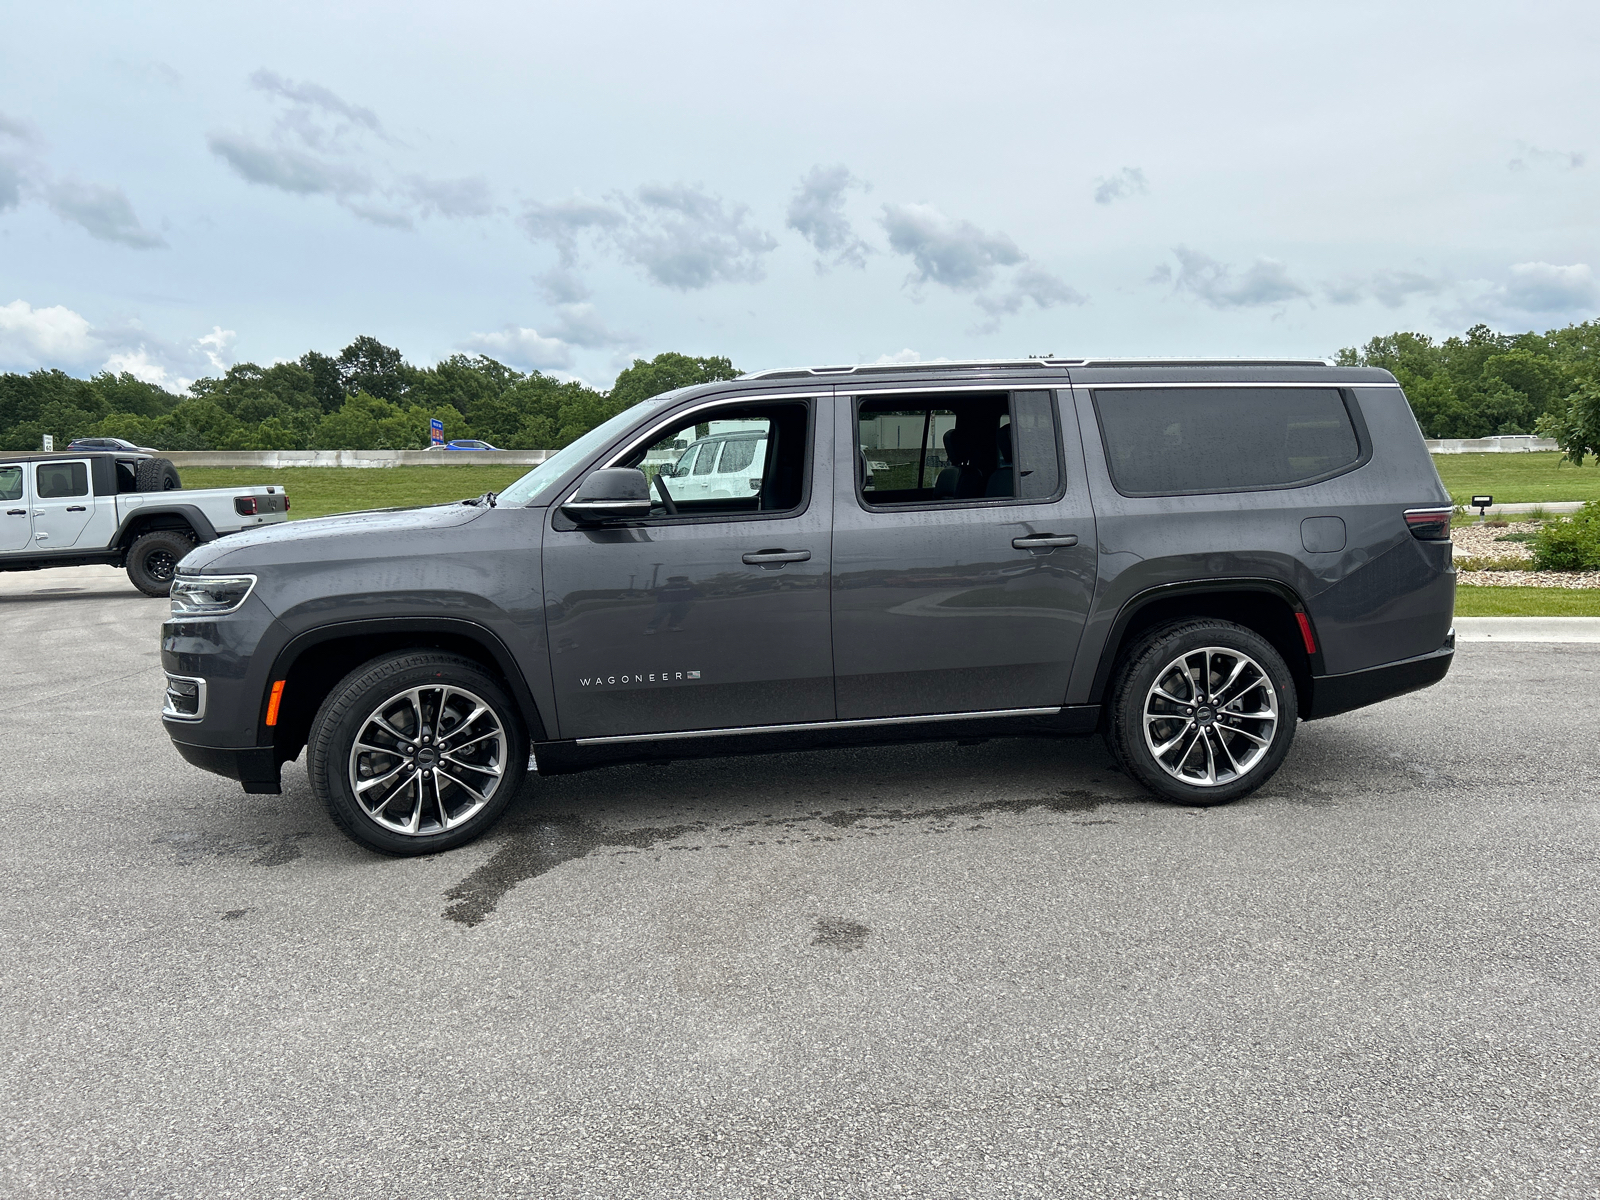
1141, 600
199, 523
283, 662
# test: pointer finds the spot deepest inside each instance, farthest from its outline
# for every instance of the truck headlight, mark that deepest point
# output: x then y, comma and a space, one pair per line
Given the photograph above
209, 595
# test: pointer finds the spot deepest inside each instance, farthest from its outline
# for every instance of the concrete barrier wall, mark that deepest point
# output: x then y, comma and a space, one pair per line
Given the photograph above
1493, 445
278, 459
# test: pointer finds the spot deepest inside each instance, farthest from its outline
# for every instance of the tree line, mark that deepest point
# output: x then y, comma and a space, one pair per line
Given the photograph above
369, 398
365, 398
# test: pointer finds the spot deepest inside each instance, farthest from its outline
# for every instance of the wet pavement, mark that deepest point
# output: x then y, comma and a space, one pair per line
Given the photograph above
986, 970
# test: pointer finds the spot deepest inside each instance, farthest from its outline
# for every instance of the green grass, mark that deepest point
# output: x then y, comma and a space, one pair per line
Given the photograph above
1527, 602
1517, 478
318, 491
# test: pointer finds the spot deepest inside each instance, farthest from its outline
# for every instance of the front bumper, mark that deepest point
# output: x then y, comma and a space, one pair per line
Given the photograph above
255, 767
1334, 694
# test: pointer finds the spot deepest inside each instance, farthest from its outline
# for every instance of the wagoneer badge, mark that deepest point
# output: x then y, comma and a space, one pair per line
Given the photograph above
649, 677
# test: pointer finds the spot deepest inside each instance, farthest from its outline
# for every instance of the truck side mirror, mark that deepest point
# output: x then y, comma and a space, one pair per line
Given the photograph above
610, 492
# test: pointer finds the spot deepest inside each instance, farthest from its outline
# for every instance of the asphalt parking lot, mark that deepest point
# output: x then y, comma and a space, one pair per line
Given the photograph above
982, 971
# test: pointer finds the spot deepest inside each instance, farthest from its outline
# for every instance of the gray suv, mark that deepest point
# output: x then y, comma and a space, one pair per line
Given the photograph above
1188, 558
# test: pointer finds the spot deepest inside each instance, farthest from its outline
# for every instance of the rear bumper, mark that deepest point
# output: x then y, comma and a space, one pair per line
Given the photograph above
1334, 694
255, 767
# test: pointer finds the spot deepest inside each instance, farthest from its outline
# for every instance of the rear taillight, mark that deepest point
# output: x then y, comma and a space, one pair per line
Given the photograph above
1429, 524
286, 502
245, 506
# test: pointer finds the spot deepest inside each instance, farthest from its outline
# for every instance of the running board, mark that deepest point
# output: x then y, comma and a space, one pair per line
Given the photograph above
560, 757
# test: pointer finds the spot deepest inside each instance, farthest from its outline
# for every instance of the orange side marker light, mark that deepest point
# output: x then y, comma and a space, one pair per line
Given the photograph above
273, 701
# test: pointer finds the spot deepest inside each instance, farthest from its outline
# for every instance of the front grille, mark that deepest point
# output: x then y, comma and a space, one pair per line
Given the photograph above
185, 699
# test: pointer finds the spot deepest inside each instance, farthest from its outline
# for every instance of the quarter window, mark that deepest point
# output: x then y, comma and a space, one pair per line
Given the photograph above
1189, 441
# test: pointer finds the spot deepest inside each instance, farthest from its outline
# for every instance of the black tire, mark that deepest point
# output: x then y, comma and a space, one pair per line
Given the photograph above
156, 475
154, 556
1218, 724
381, 687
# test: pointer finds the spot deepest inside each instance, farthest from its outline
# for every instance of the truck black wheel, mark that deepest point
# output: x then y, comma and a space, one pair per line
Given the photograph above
417, 752
1203, 712
154, 556
156, 475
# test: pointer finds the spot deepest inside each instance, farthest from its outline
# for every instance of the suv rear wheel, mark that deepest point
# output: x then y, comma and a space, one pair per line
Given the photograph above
1203, 712
417, 752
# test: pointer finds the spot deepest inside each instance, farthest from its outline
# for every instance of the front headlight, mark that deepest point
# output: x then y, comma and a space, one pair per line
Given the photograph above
209, 595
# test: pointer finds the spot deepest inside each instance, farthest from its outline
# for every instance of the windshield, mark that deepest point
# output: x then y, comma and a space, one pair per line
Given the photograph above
533, 487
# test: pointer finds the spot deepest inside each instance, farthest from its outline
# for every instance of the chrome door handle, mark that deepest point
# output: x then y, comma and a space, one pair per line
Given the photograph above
1043, 541
76, 508
757, 557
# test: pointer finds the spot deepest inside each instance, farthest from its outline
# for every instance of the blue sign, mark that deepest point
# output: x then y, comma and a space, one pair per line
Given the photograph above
436, 431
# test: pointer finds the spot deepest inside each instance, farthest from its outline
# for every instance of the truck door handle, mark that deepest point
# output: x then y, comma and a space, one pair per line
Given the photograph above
757, 557
76, 508
16, 512
1043, 541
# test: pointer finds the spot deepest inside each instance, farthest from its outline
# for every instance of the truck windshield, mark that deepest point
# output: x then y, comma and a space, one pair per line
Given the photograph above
534, 487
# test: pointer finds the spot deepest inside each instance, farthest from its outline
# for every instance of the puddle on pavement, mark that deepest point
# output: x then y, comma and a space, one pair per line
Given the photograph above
533, 847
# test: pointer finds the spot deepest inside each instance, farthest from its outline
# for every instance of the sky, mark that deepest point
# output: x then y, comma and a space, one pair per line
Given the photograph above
567, 187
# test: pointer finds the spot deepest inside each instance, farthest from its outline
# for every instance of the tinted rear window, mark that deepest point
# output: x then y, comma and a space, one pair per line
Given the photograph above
1183, 441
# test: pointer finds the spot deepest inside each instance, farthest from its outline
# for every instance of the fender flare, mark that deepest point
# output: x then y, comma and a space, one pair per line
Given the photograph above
204, 531
295, 647
1141, 600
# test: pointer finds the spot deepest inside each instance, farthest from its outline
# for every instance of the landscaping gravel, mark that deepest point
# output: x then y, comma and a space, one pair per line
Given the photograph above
1479, 542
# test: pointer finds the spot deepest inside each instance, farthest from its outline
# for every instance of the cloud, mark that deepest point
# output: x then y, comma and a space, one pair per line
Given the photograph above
1389, 288
314, 96
321, 144
562, 286
1529, 156
908, 355
55, 336
285, 167
467, 197
580, 325
1030, 282
561, 223
816, 212
39, 336
1537, 287
683, 238
12, 178
954, 253
1216, 284
104, 212
1129, 181
522, 347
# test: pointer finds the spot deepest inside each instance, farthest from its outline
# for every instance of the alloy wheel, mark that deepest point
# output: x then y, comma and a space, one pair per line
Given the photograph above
1210, 716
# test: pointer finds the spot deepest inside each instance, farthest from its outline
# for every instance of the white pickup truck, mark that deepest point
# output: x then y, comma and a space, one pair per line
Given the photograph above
127, 510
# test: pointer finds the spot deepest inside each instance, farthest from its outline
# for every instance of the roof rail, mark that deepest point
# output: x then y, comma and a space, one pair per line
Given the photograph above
989, 364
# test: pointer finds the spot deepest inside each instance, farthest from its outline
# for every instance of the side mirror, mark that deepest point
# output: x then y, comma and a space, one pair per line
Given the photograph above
610, 492
668, 469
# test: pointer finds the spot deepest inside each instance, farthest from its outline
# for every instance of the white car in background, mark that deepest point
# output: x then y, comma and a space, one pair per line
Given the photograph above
719, 466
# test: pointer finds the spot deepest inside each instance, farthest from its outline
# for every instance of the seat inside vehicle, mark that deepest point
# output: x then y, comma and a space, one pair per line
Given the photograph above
936, 449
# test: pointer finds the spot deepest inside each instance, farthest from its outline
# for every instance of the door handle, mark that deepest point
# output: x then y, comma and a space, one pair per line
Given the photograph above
76, 508
1043, 541
758, 557
16, 512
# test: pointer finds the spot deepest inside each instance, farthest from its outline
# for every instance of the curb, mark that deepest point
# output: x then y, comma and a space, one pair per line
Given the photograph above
1528, 629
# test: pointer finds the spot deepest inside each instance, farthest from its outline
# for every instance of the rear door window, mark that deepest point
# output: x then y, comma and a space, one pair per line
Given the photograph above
1190, 441
58, 481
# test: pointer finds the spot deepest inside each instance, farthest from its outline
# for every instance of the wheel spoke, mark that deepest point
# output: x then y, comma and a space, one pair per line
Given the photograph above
415, 775
1244, 733
467, 766
466, 786
1243, 692
1238, 670
457, 749
367, 784
402, 738
1161, 750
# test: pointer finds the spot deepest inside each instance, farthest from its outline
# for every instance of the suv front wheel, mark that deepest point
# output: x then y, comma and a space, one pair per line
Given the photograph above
1203, 712
417, 752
